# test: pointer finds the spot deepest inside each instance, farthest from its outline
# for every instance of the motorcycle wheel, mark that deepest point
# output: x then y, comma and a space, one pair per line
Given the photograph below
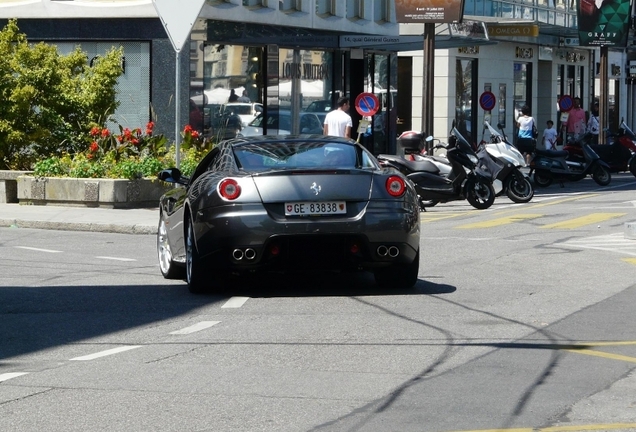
632, 166
519, 189
479, 193
601, 175
541, 179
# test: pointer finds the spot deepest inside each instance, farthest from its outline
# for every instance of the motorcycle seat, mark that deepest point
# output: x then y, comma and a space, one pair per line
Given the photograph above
422, 165
552, 153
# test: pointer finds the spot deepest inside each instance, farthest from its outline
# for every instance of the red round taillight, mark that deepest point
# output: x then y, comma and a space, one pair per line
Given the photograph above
395, 186
229, 189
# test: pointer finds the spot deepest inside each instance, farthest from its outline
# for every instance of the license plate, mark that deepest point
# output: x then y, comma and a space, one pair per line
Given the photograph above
315, 208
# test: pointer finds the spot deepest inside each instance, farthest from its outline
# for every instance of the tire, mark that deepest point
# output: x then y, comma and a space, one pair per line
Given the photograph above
194, 269
519, 189
398, 275
632, 166
169, 269
480, 193
601, 175
542, 179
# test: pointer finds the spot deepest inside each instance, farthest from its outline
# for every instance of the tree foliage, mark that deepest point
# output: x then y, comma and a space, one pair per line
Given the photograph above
49, 101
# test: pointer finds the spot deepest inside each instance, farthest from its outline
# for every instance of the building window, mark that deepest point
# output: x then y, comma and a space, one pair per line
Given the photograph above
290, 5
381, 11
326, 7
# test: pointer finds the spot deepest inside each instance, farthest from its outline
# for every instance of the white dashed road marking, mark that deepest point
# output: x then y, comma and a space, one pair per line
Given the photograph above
106, 353
8, 376
38, 249
195, 328
115, 258
235, 302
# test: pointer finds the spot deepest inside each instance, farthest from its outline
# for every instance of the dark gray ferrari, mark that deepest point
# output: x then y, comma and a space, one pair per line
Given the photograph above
288, 204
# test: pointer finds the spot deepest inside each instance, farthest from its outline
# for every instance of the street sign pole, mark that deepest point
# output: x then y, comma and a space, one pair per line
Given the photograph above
177, 108
178, 19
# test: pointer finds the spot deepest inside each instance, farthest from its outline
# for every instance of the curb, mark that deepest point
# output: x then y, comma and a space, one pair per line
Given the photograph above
91, 227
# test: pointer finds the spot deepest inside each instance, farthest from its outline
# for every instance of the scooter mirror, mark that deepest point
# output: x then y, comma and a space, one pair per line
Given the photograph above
429, 138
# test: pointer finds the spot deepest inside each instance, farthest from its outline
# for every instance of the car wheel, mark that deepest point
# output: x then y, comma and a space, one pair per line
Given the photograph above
601, 175
194, 270
479, 193
398, 275
541, 179
169, 269
632, 166
519, 189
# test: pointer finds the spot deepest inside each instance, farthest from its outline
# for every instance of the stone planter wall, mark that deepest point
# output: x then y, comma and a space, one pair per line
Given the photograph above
110, 193
9, 185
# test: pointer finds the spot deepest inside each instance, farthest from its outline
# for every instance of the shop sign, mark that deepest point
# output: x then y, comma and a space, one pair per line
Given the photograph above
524, 53
429, 11
306, 71
503, 30
469, 29
603, 23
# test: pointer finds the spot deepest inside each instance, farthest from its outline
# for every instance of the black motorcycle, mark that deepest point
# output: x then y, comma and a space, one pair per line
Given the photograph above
465, 181
551, 165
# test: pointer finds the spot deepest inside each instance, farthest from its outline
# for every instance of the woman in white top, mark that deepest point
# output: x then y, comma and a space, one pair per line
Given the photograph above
525, 137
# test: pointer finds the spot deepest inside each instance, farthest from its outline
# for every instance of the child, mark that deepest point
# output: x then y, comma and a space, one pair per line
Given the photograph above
550, 136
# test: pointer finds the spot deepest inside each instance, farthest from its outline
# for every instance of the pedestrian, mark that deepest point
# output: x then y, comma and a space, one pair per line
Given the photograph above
338, 122
233, 96
593, 126
526, 135
575, 123
244, 97
550, 136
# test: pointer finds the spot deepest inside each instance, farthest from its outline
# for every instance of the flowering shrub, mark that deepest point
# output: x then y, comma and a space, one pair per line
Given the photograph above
131, 154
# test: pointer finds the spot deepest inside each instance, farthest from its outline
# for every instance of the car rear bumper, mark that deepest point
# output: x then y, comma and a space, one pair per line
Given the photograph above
247, 237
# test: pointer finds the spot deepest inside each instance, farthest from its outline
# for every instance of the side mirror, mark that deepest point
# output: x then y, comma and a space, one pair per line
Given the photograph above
429, 138
172, 175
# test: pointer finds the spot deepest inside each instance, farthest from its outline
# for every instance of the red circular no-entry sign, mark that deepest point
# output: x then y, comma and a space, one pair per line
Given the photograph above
367, 104
487, 100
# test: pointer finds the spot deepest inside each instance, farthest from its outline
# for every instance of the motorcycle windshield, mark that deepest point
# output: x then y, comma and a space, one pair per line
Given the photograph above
462, 142
493, 131
628, 131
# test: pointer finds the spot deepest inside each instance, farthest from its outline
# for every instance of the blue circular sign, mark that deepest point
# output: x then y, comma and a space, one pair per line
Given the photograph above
566, 103
487, 100
367, 104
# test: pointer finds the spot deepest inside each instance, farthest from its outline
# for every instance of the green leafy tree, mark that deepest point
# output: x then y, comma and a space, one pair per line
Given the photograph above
49, 101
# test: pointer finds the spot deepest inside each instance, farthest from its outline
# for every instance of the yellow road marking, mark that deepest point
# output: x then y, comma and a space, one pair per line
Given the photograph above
630, 260
432, 217
500, 221
584, 220
603, 355
589, 427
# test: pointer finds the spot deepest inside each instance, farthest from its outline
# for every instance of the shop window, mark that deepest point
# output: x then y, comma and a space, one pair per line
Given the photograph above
466, 97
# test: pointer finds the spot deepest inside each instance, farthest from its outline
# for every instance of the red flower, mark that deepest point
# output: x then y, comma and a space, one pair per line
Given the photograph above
95, 131
127, 134
195, 134
187, 129
90, 156
94, 147
105, 133
120, 138
135, 141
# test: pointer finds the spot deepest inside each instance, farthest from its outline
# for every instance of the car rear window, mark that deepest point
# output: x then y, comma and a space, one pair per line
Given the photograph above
299, 155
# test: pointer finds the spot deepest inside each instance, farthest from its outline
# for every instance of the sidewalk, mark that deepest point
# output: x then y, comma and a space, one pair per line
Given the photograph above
126, 221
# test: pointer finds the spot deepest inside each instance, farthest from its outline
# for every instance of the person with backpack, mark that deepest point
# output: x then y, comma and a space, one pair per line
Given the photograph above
526, 133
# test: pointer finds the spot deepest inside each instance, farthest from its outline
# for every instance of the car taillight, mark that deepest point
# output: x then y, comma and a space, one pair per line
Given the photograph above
395, 186
229, 189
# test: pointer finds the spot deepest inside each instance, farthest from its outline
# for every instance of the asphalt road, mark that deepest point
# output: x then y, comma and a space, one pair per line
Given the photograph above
522, 320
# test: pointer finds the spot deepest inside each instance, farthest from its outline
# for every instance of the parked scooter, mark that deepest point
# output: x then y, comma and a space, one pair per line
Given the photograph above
551, 165
501, 160
619, 154
465, 181
516, 185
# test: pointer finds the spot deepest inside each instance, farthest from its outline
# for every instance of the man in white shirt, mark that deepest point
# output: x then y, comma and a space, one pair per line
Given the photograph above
338, 122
